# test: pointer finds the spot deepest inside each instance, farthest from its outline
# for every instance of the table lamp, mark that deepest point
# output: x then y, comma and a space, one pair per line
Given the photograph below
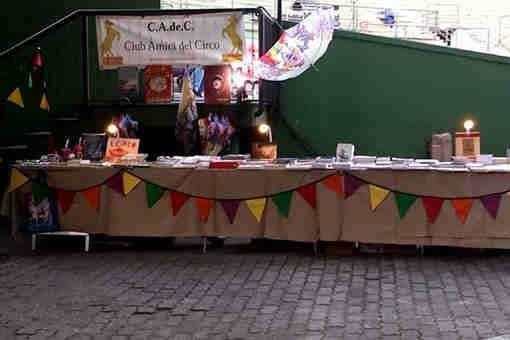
112, 130
265, 129
467, 143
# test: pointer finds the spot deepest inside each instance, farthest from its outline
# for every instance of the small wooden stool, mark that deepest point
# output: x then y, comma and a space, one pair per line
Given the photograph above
62, 233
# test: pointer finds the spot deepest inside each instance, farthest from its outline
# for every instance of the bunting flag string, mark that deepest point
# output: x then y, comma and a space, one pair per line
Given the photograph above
377, 196
177, 200
282, 202
154, 193
129, 182
432, 207
92, 196
257, 207
16, 98
124, 182
404, 203
491, 203
204, 207
230, 207
65, 199
334, 183
309, 194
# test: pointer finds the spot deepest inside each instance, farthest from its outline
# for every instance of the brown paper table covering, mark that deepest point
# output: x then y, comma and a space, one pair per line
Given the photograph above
335, 219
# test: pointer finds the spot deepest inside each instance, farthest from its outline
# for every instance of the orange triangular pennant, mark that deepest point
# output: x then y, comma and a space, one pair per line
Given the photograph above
334, 183
462, 207
204, 206
92, 196
177, 200
65, 199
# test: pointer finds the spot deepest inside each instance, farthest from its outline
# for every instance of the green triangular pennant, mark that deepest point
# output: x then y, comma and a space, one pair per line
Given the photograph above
30, 80
282, 202
404, 203
39, 192
154, 193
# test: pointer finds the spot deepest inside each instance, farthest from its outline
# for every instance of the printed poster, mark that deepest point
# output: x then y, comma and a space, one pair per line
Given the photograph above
199, 39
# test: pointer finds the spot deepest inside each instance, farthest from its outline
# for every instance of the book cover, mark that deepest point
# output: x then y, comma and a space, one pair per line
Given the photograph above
128, 82
116, 148
217, 84
158, 84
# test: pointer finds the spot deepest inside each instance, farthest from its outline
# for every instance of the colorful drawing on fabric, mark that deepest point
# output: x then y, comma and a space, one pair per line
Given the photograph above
215, 133
298, 47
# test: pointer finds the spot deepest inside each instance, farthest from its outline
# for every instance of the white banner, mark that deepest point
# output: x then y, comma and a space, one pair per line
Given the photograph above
200, 39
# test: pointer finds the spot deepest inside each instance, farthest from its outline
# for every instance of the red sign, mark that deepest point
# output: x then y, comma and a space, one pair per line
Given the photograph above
119, 147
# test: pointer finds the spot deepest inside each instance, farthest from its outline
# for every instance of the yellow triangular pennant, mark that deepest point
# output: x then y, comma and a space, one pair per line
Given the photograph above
15, 97
377, 196
257, 207
17, 180
129, 182
44, 103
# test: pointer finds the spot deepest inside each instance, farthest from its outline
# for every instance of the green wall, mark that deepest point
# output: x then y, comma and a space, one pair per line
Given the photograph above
388, 96
62, 52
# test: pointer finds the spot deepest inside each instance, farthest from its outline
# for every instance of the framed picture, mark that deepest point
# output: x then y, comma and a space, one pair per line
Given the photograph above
344, 152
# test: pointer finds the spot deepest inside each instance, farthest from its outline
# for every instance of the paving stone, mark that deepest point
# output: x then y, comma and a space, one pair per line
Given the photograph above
181, 294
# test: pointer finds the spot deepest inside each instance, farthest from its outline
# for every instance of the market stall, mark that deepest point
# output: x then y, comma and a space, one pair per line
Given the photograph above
422, 207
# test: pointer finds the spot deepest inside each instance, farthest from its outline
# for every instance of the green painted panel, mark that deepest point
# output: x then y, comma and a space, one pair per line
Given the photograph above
62, 52
388, 97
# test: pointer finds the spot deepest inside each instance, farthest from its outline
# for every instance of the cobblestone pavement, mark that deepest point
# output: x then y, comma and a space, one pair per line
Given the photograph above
237, 294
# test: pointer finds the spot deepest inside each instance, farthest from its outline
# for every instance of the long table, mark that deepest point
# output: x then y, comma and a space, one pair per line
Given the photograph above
335, 218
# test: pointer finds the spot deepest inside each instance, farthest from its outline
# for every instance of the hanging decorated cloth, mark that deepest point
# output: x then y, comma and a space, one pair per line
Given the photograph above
298, 47
215, 133
186, 132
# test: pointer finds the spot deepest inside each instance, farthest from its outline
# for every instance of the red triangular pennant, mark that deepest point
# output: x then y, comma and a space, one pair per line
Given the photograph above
116, 183
230, 207
432, 207
334, 183
92, 196
177, 200
351, 184
309, 194
491, 203
65, 199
